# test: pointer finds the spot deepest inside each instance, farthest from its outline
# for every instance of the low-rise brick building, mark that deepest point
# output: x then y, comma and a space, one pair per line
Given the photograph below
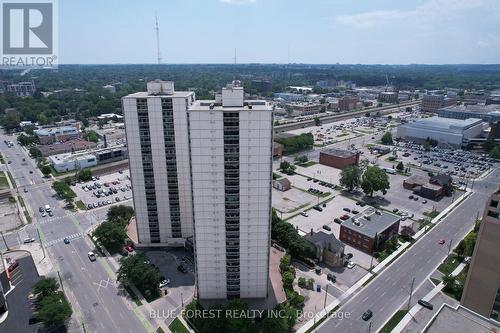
338, 158
369, 230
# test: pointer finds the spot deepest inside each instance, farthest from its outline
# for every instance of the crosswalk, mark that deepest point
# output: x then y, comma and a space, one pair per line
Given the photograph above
46, 220
59, 240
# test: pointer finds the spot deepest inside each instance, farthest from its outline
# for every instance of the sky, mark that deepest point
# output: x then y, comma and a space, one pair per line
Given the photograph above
280, 31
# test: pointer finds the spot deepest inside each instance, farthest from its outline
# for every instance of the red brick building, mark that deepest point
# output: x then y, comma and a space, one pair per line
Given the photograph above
361, 230
277, 149
338, 158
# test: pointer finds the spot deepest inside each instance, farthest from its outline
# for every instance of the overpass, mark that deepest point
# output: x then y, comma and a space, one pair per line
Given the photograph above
341, 116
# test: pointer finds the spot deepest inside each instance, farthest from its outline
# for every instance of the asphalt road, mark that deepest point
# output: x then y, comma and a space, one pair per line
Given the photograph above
390, 290
95, 296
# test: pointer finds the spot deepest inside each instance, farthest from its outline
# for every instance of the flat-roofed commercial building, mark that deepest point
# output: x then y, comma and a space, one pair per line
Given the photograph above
487, 113
369, 229
432, 103
158, 149
482, 287
447, 132
231, 143
338, 158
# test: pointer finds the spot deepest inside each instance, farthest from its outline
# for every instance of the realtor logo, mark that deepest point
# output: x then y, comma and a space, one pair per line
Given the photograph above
29, 35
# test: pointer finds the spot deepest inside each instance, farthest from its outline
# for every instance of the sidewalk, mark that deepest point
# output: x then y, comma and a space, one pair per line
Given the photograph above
435, 220
413, 311
145, 308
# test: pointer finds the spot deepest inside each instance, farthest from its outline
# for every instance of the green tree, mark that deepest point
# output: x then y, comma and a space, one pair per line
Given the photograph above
288, 278
400, 166
427, 146
84, 175
234, 324
374, 179
111, 235
495, 153
350, 177
10, 121
46, 170
91, 136
317, 121
45, 287
387, 138
35, 152
134, 271
54, 309
489, 144
122, 212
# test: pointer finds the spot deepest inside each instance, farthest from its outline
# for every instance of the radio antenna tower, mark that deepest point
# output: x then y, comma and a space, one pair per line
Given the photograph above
157, 29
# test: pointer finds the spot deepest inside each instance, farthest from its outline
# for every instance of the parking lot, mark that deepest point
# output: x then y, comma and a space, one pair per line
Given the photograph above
104, 190
291, 200
180, 289
456, 162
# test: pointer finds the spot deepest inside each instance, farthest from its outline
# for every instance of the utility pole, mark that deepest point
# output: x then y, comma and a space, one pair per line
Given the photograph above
411, 292
326, 294
41, 244
6, 246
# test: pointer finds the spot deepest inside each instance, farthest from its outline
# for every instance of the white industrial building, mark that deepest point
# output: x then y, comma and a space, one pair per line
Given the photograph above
158, 149
447, 132
70, 161
231, 160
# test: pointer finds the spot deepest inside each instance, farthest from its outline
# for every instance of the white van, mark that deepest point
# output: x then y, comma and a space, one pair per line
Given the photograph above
47, 208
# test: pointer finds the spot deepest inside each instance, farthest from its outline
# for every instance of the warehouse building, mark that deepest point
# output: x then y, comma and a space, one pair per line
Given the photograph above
447, 132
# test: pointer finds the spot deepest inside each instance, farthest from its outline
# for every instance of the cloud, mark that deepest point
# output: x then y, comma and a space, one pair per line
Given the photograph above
237, 2
430, 11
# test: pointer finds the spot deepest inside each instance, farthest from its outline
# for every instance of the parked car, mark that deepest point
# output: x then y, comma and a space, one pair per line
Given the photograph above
304, 214
337, 220
441, 241
367, 315
347, 209
40, 209
318, 208
348, 256
331, 277
327, 227
425, 304
164, 283
129, 248
66, 240
91, 256
344, 217
350, 264
13, 266
28, 240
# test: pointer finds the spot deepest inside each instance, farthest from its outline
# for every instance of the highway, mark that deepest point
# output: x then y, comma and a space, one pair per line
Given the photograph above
389, 291
97, 301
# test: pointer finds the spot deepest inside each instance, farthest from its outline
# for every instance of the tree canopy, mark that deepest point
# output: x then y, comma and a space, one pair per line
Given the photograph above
374, 179
350, 177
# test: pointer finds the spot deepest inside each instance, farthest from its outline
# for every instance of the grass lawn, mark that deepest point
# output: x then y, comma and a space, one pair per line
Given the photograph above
1, 159
432, 214
449, 264
177, 327
80, 205
435, 281
3, 181
398, 316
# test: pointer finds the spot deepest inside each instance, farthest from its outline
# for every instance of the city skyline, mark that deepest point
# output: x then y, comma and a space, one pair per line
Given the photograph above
324, 32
